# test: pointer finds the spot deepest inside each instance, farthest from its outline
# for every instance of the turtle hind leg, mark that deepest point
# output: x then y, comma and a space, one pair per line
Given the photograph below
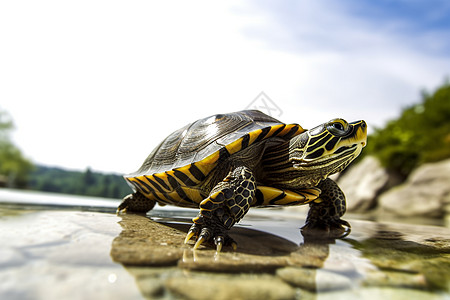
324, 216
136, 202
227, 203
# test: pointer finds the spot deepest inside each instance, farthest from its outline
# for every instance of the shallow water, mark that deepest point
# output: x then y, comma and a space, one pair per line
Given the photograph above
66, 247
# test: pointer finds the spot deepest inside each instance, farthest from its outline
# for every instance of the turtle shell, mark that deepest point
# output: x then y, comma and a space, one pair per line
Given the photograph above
188, 155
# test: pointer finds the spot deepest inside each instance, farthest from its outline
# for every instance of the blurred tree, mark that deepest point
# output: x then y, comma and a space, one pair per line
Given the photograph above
421, 134
14, 168
73, 182
5, 125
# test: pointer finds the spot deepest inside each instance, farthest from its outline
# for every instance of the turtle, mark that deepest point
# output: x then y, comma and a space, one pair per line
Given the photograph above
226, 163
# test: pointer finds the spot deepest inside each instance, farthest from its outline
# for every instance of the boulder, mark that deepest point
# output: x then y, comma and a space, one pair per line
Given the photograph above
425, 193
363, 182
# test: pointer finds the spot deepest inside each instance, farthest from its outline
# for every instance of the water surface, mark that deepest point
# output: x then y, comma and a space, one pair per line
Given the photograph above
66, 247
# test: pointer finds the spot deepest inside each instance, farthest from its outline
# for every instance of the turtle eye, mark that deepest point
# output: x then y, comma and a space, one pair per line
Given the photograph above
338, 127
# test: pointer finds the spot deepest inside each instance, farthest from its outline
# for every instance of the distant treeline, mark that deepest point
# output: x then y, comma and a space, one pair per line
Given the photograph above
88, 183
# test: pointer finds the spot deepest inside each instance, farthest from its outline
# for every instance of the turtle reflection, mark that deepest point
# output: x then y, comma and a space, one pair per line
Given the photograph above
155, 254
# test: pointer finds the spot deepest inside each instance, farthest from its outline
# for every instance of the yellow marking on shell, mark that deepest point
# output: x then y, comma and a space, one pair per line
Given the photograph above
304, 196
165, 176
184, 170
211, 159
205, 168
254, 135
275, 128
289, 127
207, 164
138, 181
234, 146
210, 162
162, 176
193, 194
154, 184
175, 196
172, 198
143, 190
237, 145
162, 197
130, 179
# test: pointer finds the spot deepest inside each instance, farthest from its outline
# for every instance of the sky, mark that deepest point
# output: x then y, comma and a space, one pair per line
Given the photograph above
100, 83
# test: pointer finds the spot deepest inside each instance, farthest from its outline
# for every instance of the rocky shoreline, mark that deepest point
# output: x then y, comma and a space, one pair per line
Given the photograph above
425, 193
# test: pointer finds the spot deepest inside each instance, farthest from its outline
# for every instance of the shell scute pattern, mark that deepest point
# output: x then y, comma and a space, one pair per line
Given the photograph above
186, 157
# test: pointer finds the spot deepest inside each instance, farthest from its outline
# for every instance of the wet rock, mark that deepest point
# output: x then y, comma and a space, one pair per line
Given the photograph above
255, 261
425, 193
212, 286
395, 279
364, 182
151, 280
144, 242
372, 293
409, 260
315, 280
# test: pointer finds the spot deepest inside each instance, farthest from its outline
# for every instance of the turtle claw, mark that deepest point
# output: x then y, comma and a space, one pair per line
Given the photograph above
207, 235
193, 231
199, 242
219, 246
234, 245
219, 241
189, 235
121, 211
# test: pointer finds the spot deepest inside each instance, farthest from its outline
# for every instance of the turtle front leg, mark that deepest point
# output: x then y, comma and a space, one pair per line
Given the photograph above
324, 216
227, 203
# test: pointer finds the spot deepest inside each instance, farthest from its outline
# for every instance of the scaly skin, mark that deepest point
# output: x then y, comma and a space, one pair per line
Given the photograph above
326, 211
138, 202
227, 203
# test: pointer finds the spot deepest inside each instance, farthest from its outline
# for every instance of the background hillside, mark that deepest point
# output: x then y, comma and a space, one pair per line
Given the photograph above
87, 183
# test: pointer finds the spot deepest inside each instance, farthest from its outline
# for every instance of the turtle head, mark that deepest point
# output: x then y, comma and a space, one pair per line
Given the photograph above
328, 148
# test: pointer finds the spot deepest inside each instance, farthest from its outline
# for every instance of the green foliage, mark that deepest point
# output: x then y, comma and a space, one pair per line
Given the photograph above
14, 168
420, 135
13, 165
5, 125
80, 183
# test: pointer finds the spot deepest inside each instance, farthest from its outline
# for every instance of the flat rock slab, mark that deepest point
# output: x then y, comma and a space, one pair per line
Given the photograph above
252, 287
382, 255
51, 254
144, 242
